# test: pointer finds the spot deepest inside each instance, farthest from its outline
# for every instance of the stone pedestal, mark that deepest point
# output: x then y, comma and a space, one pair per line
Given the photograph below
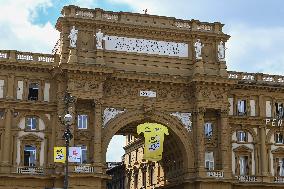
198, 68
100, 57
72, 59
223, 69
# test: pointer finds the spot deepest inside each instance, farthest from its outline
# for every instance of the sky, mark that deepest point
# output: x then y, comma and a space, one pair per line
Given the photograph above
256, 28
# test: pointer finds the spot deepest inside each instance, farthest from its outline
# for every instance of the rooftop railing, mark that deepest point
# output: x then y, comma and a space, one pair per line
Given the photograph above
16, 56
141, 19
256, 77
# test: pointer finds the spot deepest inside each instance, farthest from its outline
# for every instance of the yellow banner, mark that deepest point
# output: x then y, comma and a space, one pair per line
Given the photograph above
59, 154
154, 139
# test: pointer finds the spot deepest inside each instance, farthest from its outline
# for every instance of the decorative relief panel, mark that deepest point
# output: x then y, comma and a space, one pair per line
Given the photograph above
110, 113
185, 118
146, 46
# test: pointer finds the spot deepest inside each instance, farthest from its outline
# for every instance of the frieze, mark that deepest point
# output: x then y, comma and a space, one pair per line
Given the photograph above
136, 45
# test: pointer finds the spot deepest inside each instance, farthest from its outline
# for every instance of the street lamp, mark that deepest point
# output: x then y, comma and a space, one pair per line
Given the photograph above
67, 121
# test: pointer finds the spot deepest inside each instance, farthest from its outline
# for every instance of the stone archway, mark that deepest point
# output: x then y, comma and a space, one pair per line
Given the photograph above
138, 116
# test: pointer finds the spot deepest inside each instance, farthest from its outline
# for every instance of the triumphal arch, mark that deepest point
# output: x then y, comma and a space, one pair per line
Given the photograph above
124, 69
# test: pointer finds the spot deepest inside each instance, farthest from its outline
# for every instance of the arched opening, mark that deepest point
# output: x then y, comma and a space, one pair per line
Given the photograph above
136, 172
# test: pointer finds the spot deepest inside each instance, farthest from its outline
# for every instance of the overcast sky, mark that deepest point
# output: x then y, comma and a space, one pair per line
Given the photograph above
256, 28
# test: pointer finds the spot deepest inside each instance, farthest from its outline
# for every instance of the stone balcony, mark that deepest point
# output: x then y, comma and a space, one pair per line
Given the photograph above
27, 57
215, 174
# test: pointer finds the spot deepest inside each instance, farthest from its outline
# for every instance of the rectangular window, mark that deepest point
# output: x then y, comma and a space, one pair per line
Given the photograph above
231, 109
268, 108
144, 178
20, 90
208, 130
151, 174
241, 136
243, 163
209, 160
82, 121
31, 123
241, 107
46, 92
281, 167
33, 91
279, 138
84, 158
29, 155
135, 180
1, 88
252, 107
279, 110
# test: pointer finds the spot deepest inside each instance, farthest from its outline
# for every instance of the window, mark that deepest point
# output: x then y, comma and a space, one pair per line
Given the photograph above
208, 130
151, 175
82, 121
242, 136
84, 158
136, 180
279, 110
243, 163
144, 178
33, 91
1, 88
241, 107
129, 157
31, 123
279, 138
136, 154
209, 161
29, 155
280, 168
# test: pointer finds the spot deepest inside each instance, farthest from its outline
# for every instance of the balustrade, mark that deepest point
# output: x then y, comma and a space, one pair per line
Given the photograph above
84, 169
30, 170
248, 178
216, 174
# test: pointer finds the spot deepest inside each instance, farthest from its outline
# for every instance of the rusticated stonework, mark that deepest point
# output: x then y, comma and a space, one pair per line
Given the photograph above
125, 69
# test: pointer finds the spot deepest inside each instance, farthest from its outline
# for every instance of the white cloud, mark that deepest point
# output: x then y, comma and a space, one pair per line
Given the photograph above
256, 49
17, 31
115, 148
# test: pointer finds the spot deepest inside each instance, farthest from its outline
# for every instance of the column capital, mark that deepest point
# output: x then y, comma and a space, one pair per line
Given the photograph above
199, 111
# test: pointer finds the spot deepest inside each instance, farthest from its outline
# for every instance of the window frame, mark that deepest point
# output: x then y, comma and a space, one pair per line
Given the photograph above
210, 132
239, 110
35, 155
239, 136
81, 121
38, 90
275, 138
31, 128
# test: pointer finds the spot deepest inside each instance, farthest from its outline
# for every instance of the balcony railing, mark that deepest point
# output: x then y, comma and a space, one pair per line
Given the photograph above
30, 170
216, 174
248, 178
84, 169
279, 179
256, 77
16, 56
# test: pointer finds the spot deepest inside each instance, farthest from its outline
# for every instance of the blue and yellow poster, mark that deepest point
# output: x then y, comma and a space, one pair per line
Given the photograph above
59, 154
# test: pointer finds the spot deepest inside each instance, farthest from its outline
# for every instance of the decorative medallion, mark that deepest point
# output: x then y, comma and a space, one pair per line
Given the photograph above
110, 113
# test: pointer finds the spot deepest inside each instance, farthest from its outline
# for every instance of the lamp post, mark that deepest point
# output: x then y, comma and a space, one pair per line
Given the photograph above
66, 121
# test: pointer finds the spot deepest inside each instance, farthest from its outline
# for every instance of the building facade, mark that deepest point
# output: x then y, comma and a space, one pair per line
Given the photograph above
124, 69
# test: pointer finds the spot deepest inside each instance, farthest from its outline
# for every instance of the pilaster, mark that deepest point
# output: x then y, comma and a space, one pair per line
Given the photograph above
10, 86
225, 144
98, 132
198, 129
263, 154
6, 152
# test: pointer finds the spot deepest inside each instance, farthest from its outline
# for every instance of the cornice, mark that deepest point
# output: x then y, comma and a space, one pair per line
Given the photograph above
28, 105
25, 66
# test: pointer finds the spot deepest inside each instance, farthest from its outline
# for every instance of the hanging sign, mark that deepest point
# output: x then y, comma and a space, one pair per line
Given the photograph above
154, 139
75, 154
59, 154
